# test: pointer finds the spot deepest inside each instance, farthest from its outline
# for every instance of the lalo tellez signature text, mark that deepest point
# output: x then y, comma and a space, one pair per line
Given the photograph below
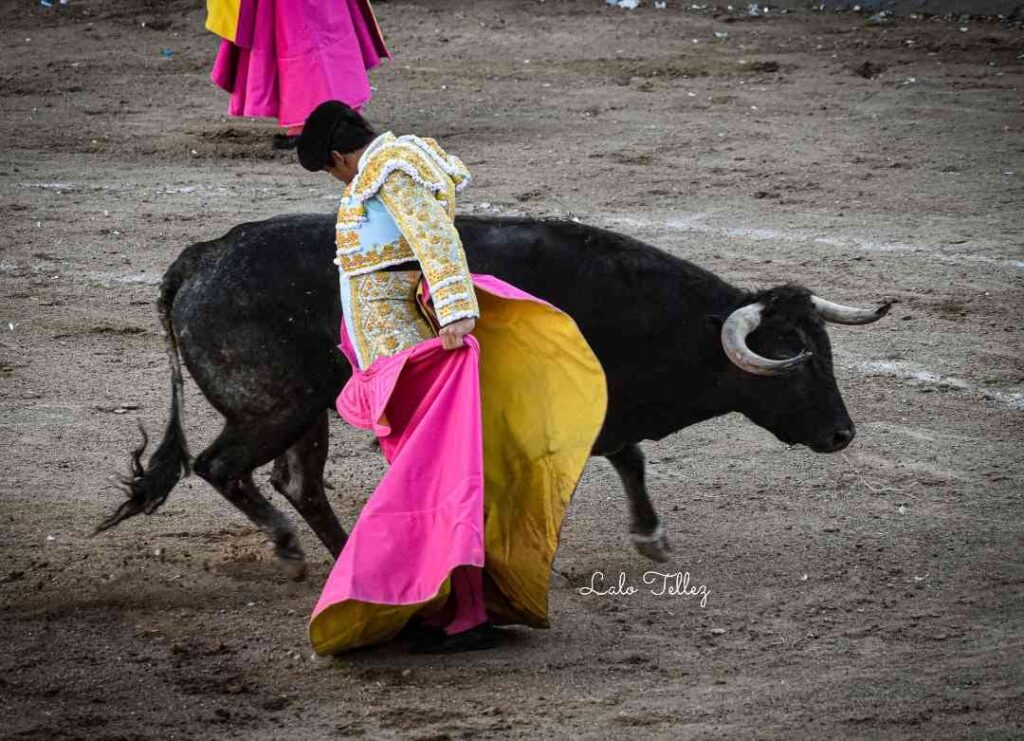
676, 584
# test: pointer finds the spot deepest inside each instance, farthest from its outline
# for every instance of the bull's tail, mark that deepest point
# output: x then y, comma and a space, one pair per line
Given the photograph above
147, 487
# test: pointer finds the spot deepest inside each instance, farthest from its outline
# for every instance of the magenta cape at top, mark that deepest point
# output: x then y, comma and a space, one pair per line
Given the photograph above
288, 56
523, 441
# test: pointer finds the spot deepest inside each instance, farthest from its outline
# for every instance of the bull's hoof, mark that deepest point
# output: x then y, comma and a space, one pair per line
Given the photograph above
294, 569
291, 557
654, 545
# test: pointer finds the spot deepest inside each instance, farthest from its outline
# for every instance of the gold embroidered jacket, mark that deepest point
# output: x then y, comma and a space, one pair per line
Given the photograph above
400, 206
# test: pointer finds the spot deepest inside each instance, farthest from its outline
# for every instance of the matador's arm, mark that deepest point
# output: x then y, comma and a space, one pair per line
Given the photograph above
428, 228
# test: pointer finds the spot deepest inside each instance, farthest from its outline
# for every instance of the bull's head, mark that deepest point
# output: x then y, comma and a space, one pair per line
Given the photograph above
785, 383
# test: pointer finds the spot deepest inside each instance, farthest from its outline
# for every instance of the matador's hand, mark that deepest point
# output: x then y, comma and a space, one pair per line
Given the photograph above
451, 334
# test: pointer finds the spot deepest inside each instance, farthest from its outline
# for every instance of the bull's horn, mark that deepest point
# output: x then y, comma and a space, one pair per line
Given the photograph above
742, 322
840, 314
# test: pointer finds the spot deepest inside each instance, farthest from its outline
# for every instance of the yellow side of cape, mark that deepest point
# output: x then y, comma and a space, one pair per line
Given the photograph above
222, 17
543, 397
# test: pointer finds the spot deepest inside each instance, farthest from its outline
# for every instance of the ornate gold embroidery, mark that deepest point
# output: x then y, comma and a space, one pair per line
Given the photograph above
351, 214
392, 253
351, 211
458, 172
348, 240
385, 315
427, 225
458, 309
398, 156
431, 142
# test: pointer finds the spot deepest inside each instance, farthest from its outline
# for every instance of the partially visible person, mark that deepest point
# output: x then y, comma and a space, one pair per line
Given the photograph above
282, 58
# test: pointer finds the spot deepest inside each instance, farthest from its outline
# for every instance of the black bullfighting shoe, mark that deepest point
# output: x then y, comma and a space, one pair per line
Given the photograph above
479, 638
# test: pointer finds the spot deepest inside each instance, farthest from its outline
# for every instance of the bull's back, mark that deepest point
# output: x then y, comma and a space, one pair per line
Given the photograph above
259, 308
256, 313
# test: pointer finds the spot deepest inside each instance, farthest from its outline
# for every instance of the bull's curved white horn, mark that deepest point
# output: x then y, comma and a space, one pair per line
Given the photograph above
840, 314
741, 323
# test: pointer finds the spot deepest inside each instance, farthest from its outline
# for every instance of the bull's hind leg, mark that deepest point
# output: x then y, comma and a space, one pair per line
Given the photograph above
228, 465
646, 528
299, 477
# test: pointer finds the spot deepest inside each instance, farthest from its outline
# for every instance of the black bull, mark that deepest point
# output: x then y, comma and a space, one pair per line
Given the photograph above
255, 315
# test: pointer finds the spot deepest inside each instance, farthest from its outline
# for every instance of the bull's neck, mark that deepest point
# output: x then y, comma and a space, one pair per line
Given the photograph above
704, 364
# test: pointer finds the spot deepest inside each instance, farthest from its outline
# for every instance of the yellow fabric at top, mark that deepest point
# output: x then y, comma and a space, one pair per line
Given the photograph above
222, 17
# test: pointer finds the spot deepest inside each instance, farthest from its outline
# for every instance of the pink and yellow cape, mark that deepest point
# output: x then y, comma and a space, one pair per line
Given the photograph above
486, 445
282, 58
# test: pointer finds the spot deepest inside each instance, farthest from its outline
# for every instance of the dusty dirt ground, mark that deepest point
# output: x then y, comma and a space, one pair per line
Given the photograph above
874, 593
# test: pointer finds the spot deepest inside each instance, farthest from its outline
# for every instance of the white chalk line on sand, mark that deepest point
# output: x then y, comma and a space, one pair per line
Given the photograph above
114, 279
924, 377
892, 369
69, 187
105, 279
697, 223
200, 189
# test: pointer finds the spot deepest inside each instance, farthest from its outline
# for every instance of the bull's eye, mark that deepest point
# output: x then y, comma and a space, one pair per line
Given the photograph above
777, 345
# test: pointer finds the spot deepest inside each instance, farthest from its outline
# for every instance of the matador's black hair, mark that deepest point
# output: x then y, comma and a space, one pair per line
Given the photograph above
331, 127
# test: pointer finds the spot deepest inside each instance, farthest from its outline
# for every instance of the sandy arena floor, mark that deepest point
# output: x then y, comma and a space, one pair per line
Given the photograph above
874, 593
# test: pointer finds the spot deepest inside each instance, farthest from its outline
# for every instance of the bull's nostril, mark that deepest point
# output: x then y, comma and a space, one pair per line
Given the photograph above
842, 437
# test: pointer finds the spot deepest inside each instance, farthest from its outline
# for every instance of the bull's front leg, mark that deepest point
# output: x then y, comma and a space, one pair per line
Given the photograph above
645, 526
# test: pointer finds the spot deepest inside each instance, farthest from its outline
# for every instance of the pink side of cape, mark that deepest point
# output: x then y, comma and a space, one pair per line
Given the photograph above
425, 518
291, 55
